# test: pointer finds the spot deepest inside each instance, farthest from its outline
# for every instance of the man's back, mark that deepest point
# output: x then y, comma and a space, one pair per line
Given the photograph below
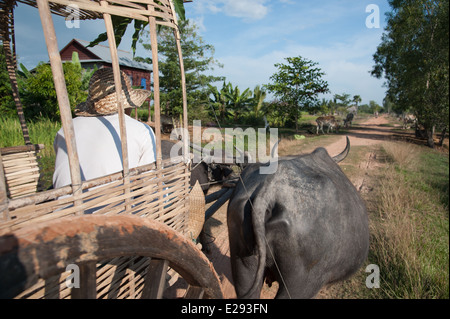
99, 148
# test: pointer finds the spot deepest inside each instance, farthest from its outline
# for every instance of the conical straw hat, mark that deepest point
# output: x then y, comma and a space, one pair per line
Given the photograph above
102, 97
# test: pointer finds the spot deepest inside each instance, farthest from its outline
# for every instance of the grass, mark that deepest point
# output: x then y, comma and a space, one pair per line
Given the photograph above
409, 223
41, 132
409, 226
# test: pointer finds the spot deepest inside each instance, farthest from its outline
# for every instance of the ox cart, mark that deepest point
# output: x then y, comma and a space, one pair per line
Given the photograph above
139, 241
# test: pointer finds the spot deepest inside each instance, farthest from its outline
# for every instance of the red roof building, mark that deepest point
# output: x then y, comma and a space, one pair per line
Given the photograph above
99, 56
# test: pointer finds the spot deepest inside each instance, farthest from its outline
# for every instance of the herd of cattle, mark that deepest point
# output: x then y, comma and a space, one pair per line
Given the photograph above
331, 122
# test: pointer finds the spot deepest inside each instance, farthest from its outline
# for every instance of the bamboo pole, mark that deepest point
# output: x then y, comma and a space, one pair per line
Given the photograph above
156, 94
118, 85
183, 80
62, 96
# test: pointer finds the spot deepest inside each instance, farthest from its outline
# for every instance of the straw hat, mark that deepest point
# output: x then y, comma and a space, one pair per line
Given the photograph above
102, 97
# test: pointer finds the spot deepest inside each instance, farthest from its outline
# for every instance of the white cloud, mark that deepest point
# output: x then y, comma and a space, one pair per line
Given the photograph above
245, 9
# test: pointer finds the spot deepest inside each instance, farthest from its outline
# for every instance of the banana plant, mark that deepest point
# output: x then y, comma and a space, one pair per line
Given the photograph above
239, 102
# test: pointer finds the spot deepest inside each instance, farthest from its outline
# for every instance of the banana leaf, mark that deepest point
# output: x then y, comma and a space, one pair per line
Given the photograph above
120, 25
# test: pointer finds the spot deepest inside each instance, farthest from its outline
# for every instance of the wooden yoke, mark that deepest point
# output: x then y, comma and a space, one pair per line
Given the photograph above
63, 99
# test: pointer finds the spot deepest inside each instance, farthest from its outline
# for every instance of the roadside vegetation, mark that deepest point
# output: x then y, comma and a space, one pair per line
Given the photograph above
408, 205
410, 227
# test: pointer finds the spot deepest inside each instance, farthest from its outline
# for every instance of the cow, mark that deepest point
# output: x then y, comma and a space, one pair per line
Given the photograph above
409, 119
348, 120
304, 226
329, 121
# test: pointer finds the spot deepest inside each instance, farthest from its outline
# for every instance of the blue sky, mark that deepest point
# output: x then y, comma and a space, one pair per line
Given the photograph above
250, 36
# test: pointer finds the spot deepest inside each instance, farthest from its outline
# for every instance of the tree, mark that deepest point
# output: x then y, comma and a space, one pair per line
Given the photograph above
38, 89
219, 101
356, 99
344, 99
198, 58
414, 58
298, 84
374, 106
259, 96
7, 106
239, 102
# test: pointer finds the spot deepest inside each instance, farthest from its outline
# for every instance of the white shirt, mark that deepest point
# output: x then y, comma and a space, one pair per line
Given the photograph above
99, 148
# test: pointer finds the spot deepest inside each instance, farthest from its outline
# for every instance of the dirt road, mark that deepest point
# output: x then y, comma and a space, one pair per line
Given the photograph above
369, 132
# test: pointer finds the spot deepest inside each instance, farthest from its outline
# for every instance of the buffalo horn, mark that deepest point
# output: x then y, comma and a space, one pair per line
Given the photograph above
340, 157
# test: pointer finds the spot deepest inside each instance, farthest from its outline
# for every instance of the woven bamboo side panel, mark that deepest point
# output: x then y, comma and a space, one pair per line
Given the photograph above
21, 170
157, 194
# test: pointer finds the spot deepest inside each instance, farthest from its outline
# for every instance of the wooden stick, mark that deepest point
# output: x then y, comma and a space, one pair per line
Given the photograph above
62, 96
118, 85
4, 211
156, 97
183, 80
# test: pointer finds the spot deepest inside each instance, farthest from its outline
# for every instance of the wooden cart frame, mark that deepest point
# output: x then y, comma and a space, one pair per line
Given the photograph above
139, 237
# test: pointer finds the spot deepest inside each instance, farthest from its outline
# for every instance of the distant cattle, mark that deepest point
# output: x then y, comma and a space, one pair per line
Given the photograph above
329, 121
408, 121
304, 226
348, 120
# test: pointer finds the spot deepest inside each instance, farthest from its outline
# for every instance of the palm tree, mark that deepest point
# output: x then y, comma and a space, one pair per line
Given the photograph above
357, 99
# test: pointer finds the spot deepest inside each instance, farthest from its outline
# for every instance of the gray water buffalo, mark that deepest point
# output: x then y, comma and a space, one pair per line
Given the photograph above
349, 119
304, 226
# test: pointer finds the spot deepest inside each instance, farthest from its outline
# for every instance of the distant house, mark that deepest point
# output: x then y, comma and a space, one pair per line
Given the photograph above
99, 55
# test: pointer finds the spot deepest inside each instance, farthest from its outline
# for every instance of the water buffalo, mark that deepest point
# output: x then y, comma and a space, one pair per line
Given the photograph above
349, 119
304, 226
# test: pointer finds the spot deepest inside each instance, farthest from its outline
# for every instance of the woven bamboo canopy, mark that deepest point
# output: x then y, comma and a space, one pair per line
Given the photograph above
156, 12
159, 191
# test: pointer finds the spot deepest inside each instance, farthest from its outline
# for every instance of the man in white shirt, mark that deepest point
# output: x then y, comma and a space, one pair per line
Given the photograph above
97, 132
